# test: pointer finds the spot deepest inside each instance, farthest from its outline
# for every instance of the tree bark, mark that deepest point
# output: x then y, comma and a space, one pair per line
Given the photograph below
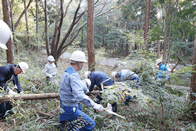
6, 18
90, 36
12, 25
127, 49
29, 96
27, 25
82, 41
37, 21
165, 32
35, 96
193, 82
146, 25
46, 28
158, 49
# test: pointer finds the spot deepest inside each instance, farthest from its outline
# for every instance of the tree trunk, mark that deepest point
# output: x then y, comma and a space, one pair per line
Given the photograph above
193, 82
146, 25
82, 40
158, 49
6, 18
37, 21
46, 28
12, 25
127, 49
90, 36
165, 33
27, 25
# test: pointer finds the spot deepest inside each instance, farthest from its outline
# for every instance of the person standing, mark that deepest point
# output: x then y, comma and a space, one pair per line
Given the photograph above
72, 93
50, 69
10, 73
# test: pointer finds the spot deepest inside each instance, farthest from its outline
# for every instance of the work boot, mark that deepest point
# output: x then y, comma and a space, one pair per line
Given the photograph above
114, 107
62, 126
126, 102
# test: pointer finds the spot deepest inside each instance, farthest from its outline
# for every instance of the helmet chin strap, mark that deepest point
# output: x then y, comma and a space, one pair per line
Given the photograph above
78, 66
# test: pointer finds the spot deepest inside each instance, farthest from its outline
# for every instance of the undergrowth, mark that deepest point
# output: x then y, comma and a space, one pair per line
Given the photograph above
156, 106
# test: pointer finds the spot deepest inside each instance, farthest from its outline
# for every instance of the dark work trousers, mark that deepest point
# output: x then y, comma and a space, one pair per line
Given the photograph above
4, 106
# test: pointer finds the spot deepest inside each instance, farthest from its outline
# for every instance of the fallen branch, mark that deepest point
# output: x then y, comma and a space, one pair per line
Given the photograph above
45, 114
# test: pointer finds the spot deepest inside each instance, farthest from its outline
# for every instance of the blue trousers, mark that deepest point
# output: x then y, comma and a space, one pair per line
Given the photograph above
78, 120
4, 106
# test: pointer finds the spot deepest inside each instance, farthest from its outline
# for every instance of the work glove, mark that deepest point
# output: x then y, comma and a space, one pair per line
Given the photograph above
87, 91
98, 107
50, 76
11, 92
109, 107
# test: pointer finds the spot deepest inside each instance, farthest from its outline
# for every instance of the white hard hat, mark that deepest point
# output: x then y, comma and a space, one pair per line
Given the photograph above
87, 82
78, 56
51, 58
5, 34
114, 74
86, 74
23, 65
158, 61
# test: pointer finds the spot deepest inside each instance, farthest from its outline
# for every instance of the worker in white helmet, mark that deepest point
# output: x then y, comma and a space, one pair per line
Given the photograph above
100, 79
161, 77
72, 92
125, 74
10, 73
87, 82
50, 69
5, 34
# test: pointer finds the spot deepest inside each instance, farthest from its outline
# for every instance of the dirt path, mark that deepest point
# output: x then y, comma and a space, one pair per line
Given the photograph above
181, 87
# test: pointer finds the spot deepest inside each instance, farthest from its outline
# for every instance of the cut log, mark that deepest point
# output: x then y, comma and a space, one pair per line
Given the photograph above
34, 96
29, 96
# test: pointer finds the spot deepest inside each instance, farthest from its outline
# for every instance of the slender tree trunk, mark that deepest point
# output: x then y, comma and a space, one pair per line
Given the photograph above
127, 49
193, 82
90, 36
146, 25
165, 33
158, 49
6, 18
46, 28
27, 24
12, 25
11, 16
82, 40
37, 21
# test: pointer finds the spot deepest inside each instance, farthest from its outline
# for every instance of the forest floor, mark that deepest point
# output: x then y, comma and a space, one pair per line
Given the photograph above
63, 62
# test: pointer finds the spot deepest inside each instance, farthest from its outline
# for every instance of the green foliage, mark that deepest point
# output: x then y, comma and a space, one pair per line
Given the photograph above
182, 51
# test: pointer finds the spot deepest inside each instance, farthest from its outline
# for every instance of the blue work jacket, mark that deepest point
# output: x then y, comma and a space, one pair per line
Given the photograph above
162, 68
125, 73
97, 77
72, 89
6, 73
